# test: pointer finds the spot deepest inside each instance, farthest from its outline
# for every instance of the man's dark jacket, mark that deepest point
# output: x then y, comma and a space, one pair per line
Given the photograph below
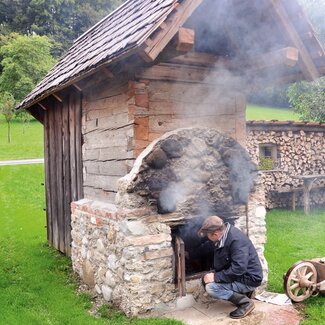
237, 260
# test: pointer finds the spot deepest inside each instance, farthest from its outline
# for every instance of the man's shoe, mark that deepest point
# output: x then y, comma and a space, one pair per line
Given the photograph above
244, 304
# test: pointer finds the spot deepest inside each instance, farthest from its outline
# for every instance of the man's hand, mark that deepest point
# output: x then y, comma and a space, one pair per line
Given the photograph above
208, 278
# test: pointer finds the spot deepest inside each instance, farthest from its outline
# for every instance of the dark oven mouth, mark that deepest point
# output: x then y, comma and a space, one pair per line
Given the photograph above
189, 261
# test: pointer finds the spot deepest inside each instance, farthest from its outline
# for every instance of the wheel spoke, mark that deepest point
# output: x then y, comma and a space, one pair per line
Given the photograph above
296, 292
309, 275
303, 270
294, 286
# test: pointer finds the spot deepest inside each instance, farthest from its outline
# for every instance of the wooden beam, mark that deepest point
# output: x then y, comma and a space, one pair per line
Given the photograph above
185, 40
174, 72
41, 106
169, 30
309, 68
58, 98
76, 86
287, 56
198, 59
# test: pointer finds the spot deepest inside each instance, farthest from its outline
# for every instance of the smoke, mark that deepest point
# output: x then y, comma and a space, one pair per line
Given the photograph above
242, 174
239, 35
170, 197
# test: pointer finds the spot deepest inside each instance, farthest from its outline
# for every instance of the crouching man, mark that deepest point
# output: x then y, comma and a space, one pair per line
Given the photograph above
237, 270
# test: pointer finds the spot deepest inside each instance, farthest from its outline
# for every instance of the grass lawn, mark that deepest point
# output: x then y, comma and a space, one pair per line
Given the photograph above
292, 236
254, 112
36, 282
26, 140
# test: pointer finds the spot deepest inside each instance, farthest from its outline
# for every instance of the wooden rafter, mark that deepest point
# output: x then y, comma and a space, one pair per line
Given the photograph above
185, 40
58, 98
199, 59
175, 72
169, 29
309, 68
287, 56
76, 86
41, 106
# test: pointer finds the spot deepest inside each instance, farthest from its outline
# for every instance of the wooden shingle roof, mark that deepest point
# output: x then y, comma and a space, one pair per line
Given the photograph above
114, 36
246, 33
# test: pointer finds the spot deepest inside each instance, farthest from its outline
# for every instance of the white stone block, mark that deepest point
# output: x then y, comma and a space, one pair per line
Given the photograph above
185, 302
107, 293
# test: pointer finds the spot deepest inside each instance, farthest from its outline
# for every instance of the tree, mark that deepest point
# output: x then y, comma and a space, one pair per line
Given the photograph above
25, 61
7, 108
308, 99
61, 20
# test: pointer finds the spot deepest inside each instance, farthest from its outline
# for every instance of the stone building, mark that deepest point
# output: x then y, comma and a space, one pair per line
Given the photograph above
108, 107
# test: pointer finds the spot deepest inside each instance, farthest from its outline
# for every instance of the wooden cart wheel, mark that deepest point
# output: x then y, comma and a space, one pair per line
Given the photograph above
298, 281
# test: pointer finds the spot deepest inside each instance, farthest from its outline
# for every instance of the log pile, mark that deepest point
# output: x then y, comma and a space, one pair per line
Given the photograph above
300, 151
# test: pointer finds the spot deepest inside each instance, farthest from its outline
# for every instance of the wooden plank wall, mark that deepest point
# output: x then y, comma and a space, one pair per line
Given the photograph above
107, 130
63, 167
121, 118
173, 105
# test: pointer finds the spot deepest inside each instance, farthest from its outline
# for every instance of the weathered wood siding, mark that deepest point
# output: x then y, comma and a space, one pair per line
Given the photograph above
63, 167
121, 118
108, 133
161, 106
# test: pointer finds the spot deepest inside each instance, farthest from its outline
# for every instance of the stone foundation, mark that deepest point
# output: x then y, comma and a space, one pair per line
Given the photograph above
127, 256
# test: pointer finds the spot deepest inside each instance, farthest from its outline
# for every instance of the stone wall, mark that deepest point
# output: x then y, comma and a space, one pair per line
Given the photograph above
126, 255
127, 261
301, 151
125, 251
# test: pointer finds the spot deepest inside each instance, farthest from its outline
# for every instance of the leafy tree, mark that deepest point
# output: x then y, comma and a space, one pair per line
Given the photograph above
308, 99
61, 20
7, 108
25, 60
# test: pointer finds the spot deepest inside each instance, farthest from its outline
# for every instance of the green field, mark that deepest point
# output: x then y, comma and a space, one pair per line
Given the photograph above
291, 237
254, 112
36, 282
26, 140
